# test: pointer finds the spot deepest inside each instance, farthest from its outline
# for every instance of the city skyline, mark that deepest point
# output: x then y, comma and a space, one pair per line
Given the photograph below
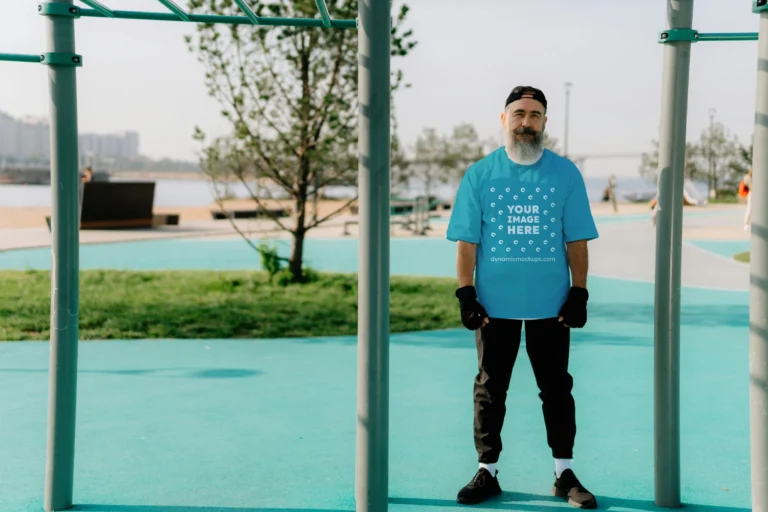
28, 137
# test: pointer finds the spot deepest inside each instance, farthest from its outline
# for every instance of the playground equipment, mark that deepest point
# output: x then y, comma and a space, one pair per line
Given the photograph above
374, 43
677, 39
419, 215
691, 197
373, 24
409, 214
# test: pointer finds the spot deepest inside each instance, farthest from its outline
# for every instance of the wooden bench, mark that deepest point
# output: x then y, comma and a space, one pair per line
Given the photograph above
119, 205
250, 214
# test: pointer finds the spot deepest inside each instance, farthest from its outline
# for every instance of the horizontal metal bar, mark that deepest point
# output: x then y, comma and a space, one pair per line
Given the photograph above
678, 34
175, 9
103, 9
727, 36
323, 8
55, 9
248, 12
17, 57
62, 59
213, 18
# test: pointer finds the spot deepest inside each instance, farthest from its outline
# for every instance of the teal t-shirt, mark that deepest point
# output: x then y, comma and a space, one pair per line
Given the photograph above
521, 217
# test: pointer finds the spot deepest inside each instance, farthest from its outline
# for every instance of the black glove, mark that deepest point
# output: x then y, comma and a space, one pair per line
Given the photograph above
574, 311
472, 312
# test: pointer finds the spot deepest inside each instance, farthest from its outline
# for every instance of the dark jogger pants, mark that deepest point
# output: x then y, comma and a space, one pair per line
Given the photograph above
547, 343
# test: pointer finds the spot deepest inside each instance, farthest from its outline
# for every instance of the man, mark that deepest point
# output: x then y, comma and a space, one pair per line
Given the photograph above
521, 219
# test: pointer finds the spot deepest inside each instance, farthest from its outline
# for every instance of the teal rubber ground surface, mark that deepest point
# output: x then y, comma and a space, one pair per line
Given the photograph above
269, 425
413, 256
409, 256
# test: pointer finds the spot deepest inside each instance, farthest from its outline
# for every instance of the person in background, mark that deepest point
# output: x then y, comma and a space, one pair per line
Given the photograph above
612, 192
745, 190
521, 221
87, 175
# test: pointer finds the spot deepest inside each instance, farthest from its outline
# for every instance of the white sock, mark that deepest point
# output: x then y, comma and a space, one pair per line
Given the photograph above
490, 467
561, 465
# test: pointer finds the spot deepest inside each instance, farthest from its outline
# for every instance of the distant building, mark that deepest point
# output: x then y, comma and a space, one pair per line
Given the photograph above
29, 138
33, 138
116, 145
8, 135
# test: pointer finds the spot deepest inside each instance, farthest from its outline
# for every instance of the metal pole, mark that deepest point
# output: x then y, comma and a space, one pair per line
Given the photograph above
567, 117
711, 190
64, 276
372, 449
674, 108
758, 289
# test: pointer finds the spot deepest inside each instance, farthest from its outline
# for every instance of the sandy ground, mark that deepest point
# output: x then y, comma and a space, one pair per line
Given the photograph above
22, 227
30, 217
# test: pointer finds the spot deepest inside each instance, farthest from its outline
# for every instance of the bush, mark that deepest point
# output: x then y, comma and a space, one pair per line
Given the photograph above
272, 263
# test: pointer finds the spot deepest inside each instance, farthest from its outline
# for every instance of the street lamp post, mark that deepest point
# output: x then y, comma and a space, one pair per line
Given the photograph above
568, 86
712, 191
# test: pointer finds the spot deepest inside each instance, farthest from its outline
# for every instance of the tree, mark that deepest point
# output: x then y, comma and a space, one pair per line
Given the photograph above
431, 160
716, 155
439, 158
290, 94
717, 158
743, 163
649, 165
400, 165
551, 143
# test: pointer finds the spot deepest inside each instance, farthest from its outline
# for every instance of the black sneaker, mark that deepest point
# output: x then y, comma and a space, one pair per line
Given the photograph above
482, 487
570, 489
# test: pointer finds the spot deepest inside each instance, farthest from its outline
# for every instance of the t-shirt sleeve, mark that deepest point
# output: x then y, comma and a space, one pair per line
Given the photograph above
466, 215
578, 223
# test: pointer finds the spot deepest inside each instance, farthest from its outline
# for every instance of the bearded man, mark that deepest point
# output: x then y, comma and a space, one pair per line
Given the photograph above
521, 220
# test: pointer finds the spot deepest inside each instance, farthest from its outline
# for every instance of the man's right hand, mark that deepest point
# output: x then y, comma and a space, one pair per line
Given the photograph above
473, 314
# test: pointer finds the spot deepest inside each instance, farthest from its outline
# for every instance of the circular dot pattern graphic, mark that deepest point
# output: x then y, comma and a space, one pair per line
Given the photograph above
524, 219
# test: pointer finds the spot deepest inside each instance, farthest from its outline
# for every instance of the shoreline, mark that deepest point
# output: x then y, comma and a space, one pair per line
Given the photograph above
26, 227
34, 216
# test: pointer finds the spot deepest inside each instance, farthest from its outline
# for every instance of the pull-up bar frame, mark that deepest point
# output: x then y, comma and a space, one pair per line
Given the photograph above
374, 43
99, 10
677, 40
684, 34
373, 320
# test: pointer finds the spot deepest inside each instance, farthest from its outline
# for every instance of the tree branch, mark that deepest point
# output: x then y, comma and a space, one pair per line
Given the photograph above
325, 107
270, 66
332, 214
232, 222
271, 214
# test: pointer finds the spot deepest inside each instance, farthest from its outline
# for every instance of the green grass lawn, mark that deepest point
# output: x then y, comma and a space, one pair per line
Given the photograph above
131, 305
742, 256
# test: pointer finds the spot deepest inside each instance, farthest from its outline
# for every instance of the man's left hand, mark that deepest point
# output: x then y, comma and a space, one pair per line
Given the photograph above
574, 311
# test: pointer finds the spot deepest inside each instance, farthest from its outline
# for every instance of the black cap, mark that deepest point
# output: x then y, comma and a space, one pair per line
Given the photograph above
526, 91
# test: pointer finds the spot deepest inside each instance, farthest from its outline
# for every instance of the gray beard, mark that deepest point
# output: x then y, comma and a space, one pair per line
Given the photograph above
521, 151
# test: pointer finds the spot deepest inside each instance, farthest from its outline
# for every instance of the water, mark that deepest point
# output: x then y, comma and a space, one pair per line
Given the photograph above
170, 193
167, 193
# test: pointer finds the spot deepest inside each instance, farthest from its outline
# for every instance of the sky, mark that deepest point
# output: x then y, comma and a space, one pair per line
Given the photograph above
139, 75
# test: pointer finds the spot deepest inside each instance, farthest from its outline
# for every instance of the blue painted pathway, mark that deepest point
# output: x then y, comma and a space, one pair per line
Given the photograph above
255, 425
269, 425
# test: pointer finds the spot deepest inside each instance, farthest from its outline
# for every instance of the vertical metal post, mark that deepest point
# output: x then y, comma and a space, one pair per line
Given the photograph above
758, 289
568, 86
674, 109
712, 192
372, 447
65, 209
